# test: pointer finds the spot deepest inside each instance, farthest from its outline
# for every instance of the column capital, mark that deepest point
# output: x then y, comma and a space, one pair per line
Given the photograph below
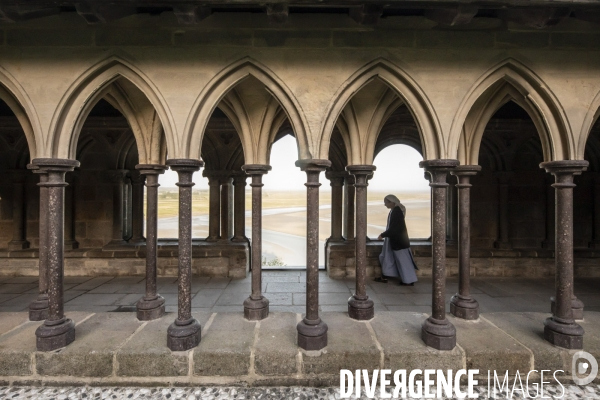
137, 178
185, 164
239, 178
256, 169
151, 169
313, 165
361, 169
574, 167
438, 170
466, 170
336, 177
349, 179
55, 164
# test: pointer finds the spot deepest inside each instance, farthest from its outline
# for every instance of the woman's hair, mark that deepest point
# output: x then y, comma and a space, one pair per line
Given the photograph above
393, 199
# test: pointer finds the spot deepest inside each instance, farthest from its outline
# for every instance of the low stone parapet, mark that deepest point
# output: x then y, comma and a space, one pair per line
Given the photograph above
117, 349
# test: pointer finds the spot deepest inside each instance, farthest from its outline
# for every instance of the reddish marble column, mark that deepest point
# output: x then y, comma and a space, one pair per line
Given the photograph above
437, 331
214, 206
561, 329
337, 204
349, 194
239, 207
117, 178
549, 241
256, 307
57, 331
360, 307
312, 331
137, 204
19, 241
463, 305
70, 203
184, 333
226, 208
38, 309
152, 305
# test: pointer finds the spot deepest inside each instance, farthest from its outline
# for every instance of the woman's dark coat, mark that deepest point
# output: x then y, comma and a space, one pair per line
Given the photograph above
397, 233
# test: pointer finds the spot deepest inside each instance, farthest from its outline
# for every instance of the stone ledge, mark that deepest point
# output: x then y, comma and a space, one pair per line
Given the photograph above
118, 349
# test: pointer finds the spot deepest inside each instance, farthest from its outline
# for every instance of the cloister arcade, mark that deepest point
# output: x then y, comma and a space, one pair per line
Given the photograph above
510, 146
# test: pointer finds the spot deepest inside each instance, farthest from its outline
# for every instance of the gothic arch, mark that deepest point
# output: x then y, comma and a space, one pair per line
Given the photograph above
255, 149
510, 81
101, 81
17, 100
588, 123
406, 89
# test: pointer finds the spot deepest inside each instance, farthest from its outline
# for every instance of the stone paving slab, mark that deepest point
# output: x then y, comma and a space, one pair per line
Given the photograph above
276, 345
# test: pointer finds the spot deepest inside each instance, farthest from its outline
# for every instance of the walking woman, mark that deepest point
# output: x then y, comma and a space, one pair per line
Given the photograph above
396, 258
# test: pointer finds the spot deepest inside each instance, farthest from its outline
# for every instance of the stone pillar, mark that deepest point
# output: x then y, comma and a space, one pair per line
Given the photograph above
214, 206
57, 331
437, 331
138, 179
256, 307
462, 304
38, 309
595, 243
226, 208
548, 242
360, 307
349, 192
337, 204
117, 178
453, 218
184, 333
152, 305
70, 240
239, 207
312, 331
561, 329
19, 241
503, 226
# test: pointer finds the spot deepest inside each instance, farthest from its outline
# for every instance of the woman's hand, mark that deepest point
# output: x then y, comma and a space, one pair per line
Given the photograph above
379, 237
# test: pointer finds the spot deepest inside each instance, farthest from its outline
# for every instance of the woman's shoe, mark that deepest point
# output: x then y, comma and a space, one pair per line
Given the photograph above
406, 284
381, 279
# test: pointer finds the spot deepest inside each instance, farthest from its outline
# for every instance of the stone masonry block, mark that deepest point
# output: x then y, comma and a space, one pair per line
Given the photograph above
132, 37
374, 38
49, 37
205, 37
454, 39
225, 347
276, 347
302, 38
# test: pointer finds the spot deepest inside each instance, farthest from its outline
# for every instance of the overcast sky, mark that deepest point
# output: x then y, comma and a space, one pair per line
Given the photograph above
397, 170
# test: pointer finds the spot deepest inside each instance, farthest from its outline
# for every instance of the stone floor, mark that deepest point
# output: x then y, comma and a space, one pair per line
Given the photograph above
591, 392
286, 293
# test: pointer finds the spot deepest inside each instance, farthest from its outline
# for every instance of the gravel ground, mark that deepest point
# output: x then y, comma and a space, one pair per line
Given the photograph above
217, 393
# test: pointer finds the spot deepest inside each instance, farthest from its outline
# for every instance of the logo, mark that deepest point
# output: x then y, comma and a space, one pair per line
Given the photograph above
584, 368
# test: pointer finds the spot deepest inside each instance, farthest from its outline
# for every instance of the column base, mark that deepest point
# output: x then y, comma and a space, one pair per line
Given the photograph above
361, 310
464, 307
18, 245
185, 335
312, 335
576, 306
149, 309
239, 239
38, 309
255, 310
502, 245
439, 334
71, 245
212, 239
565, 335
137, 241
52, 335
115, 243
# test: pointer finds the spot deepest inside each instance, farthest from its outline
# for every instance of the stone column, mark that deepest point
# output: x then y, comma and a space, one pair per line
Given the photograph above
138, 179
184, 333
152, 305
360, 307
349, 192
19, 241
70, 240
462, 304
239, 207
256, 307
437, 331
503, 187
561, 329
38, 309
548, 242
453, 218
117, 178
57, 331
337, 204
226, 208
312, 331
595, 243
214, 206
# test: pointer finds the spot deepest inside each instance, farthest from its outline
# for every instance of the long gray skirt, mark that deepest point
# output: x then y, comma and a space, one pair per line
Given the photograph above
398, 263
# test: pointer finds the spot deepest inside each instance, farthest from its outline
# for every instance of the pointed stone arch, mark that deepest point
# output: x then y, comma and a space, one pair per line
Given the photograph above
13, 94
510, 81
255, 149
405, 88
101, 81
